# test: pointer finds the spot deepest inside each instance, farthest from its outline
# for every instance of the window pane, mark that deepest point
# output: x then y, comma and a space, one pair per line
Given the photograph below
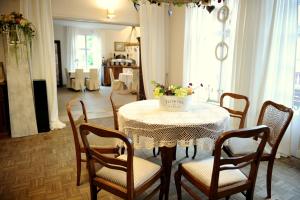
297, 77
80, 55
89, 41
90, 59
80, 41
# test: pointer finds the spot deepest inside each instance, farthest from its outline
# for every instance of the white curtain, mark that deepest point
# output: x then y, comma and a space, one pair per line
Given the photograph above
154, 43
71, 48
98, 47
43, 59
202, 34
264, 55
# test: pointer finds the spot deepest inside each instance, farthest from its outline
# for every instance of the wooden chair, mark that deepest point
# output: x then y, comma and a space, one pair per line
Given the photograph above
219, 177
235, 113
278, 118
79, 149
115, 110
126, 176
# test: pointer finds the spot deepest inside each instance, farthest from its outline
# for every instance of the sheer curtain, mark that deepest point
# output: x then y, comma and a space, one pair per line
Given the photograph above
264, 58
43, 59
202, 33
154, 42
71, 47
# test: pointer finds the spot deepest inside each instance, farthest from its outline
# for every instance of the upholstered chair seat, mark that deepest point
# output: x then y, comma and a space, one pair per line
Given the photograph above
202, 171
142, 171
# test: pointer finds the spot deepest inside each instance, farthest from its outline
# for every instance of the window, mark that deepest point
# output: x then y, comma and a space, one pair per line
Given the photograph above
85, 55
207, 38
296, 100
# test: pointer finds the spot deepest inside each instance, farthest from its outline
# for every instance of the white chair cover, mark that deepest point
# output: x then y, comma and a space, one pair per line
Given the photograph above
78, 81
115, 83
135, 80
127, 70
92, 83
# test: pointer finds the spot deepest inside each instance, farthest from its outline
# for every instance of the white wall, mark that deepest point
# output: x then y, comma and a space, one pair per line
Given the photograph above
96, 10
176, 45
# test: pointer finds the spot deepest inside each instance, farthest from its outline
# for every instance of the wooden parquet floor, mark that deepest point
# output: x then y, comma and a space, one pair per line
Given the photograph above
43, 167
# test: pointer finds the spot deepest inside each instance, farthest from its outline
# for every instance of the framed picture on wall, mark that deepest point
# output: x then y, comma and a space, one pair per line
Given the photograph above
120, 46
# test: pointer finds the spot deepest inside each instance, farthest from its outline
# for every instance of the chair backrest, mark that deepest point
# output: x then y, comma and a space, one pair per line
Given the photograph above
93, 156
75, 123
135, 80
111, 74
79, 75
240, 114
278, 118
232, 163
93, 74
115, 111
127, 70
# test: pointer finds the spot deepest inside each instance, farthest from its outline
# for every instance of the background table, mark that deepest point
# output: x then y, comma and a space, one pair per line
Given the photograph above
126, 78
149, 127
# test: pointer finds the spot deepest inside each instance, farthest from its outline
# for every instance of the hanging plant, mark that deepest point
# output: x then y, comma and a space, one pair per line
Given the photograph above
207, 4
17, 29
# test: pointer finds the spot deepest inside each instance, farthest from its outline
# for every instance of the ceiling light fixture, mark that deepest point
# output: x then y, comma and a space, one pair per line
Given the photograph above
110, 13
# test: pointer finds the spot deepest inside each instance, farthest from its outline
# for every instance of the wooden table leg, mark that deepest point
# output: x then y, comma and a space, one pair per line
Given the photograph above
167, 156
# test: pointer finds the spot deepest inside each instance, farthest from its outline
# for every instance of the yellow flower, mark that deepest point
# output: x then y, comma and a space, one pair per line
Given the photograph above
23, 22
157, 92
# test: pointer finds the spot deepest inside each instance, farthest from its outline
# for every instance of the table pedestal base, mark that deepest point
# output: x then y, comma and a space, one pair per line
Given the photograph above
168, 154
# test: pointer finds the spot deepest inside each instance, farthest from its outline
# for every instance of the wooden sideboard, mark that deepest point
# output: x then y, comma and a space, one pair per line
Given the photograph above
117, 69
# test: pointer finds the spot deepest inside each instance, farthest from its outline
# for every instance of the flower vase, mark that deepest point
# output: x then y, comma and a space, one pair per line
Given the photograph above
175, 103
13, 36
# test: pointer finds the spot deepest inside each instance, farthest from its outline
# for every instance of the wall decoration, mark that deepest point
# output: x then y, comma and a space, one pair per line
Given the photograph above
120, 46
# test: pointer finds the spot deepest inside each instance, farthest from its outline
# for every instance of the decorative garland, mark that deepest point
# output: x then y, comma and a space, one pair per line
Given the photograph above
207, 4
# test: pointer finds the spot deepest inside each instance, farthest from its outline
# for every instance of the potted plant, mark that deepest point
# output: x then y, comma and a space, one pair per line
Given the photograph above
173, 97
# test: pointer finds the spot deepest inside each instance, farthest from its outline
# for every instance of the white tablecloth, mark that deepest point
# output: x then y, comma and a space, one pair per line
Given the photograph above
149, 126
126, 78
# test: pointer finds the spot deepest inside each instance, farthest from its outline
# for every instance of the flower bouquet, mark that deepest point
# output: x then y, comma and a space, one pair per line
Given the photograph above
14, 24
174, 97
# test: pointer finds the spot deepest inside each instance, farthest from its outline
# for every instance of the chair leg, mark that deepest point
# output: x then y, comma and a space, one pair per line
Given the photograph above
93, 190
186, 152
153, 151
177, 177
195, 152
162, 188
269, 178
78, 162
249, 194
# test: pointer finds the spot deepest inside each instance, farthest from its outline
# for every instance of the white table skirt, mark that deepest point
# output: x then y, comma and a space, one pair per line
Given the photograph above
126, 78
149, 126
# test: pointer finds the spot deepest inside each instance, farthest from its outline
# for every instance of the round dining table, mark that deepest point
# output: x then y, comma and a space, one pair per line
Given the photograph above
150, 126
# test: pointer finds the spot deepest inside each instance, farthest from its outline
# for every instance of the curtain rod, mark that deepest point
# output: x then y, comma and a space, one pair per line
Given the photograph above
95, 21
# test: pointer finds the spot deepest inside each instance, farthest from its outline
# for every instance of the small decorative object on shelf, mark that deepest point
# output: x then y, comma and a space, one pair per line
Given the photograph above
207, 4
173, 98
